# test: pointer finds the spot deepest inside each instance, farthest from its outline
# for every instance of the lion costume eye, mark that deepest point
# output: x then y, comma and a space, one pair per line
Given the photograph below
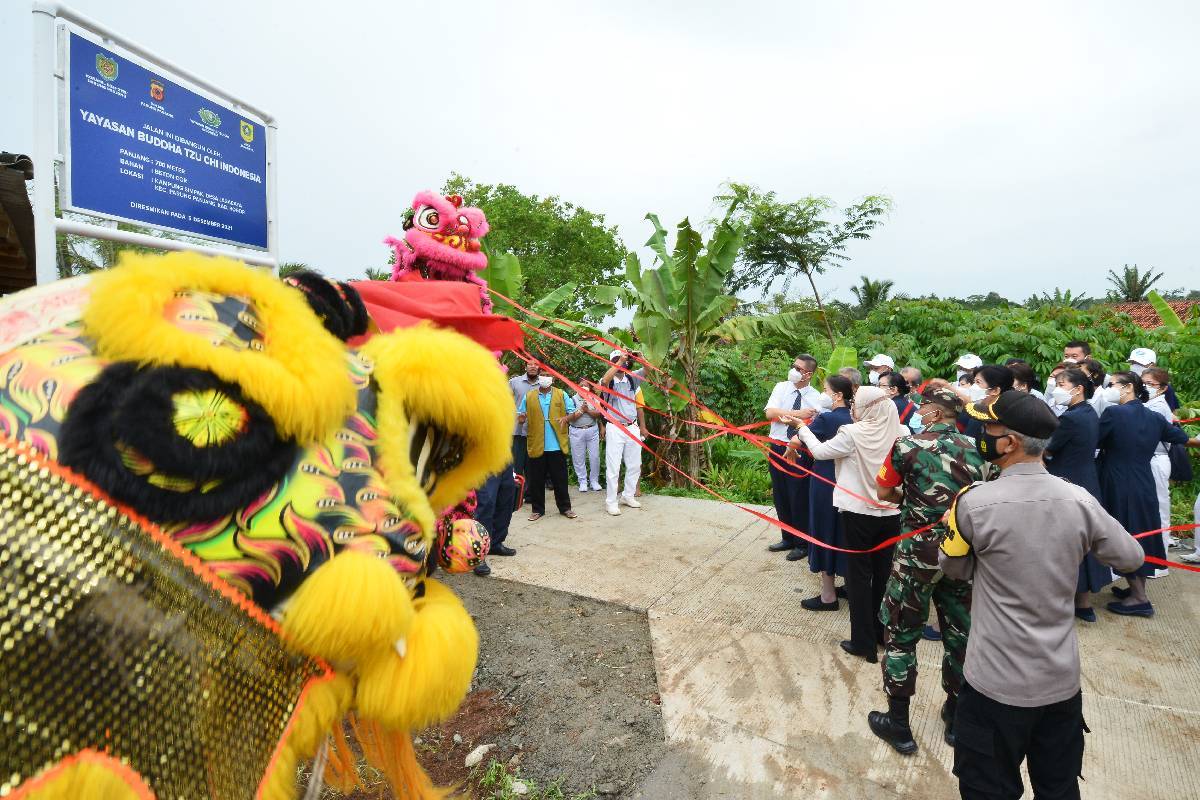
428, 218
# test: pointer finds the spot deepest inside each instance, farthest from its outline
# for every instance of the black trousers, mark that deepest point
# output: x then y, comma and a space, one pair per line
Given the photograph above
790, 496
867, 574
552, 463
495, 508
520, 451
992, 739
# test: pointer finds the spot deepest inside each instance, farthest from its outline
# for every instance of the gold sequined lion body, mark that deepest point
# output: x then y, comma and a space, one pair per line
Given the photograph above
217, 530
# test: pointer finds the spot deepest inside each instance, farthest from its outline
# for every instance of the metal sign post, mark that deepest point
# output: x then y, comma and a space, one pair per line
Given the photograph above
141, 140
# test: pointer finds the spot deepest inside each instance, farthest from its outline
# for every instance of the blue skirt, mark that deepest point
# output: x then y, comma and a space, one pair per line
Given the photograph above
824, 523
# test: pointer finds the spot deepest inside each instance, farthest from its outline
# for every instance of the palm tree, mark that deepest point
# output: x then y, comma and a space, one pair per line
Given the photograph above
378, 274
1132, 284
292, 267
871, 293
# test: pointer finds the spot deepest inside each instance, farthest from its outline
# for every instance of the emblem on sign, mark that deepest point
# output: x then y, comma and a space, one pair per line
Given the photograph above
107, 67
157, 91
247, 132
210, 118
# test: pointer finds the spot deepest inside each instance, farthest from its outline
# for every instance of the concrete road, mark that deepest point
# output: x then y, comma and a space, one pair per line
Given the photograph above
759, 701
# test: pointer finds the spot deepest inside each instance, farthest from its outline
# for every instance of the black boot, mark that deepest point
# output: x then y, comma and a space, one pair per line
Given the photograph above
948, 709
893, 727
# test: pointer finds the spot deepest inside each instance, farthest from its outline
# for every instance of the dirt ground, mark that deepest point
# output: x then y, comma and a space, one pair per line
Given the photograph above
565, 689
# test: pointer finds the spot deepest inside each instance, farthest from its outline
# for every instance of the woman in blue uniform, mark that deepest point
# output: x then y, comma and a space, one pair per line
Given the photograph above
1071, 455
824, 523
1129, 435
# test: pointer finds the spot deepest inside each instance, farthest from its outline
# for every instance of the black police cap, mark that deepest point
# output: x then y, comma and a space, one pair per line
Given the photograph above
1018, 411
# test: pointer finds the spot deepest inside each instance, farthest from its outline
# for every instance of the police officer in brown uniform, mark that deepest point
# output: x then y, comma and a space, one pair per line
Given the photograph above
1021, 538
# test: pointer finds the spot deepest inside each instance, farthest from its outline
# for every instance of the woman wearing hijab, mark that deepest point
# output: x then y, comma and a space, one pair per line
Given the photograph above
1129, 435
1071, 455
823, 521
858, 451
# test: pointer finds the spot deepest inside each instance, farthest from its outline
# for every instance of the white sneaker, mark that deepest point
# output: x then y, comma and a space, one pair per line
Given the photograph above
1161, 573
597, 488
1176, 544
1190, 558
583, 488
612, 509
630, 501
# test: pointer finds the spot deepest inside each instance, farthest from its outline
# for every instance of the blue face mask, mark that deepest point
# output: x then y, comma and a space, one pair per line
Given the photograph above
915, 425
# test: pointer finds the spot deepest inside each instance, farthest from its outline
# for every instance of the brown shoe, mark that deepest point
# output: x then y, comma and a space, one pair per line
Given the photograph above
534, 517
569, 514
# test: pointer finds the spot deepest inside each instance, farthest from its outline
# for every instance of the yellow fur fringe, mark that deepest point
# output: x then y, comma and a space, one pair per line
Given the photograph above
349, 609
427, 685
89, 774
299, 377
445, 378
324, 704
391, 752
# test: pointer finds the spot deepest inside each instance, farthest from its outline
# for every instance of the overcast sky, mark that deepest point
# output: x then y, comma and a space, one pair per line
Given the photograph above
1027, 145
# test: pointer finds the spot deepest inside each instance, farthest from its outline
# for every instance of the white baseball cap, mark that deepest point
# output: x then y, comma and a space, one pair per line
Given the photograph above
1144, 356
969, 361
615, 354
881, 360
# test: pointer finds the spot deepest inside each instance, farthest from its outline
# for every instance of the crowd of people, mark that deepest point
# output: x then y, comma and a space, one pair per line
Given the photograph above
1004, 505
551, 426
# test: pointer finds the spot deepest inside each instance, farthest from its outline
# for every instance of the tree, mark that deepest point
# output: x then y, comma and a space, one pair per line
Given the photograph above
557, 242
1132, 284
786, 239
682, 311
871, 293
1059, 298
381, 274
288, 268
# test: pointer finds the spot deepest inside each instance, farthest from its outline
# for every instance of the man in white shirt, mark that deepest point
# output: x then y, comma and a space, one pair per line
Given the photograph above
619, 388
791, 402
966, 363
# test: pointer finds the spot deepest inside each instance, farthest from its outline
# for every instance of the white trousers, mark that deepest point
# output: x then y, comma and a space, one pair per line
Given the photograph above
585, 455
1196, 519
1160, 467
618, 448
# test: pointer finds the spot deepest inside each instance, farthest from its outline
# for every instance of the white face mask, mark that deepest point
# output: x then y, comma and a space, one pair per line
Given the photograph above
1111, 394
1137, 369
873, 377
1061, 396
976, 392
795, 375
545, 381
824, 401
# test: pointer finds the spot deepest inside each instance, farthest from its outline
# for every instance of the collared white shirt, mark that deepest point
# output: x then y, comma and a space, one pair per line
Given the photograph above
783, 396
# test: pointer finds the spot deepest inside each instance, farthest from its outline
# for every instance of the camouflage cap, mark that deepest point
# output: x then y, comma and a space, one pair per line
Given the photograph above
943, 396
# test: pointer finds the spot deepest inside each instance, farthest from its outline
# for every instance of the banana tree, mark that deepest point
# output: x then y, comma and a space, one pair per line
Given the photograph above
681, 312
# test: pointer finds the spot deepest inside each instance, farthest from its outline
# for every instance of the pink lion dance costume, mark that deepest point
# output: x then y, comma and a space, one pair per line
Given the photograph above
441, 242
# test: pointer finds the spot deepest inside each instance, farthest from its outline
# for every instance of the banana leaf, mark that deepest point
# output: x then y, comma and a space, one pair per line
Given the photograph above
1171, 320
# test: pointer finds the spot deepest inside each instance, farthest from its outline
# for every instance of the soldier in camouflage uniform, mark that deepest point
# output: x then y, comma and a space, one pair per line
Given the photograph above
924, 474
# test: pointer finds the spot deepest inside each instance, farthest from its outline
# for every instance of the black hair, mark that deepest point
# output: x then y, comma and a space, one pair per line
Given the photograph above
969, 375
897, 382
1078, 377
1022, 372
1139, 391
1095, 370
996, 376
843, 386
807, 359
337, 304
1084, 346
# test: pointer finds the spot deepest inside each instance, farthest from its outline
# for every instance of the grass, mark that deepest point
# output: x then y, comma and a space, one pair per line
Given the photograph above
505, 783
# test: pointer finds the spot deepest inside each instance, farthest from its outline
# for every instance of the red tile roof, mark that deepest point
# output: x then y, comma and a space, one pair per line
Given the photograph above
1145, 316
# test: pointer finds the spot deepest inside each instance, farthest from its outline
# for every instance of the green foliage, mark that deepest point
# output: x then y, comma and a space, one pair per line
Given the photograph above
1167, 314
1060, 298
557, 242
499, 779
289, 268
1132, 284
871, 293
380, 274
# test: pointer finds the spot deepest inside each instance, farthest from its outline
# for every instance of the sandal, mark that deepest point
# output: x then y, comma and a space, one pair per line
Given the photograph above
534, 517
570, 514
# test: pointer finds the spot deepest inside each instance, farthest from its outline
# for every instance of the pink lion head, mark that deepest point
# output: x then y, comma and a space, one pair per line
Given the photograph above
441, 239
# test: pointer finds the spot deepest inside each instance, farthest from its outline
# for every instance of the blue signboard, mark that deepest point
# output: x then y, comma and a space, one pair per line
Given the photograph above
147, 150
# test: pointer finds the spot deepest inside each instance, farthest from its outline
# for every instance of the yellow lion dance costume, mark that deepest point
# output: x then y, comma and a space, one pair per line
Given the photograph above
217, 529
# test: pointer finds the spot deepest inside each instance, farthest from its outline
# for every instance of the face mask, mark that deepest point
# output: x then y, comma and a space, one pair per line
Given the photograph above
917, 425
824, 401
1137, 369
545, 381
795, 375
988, 446
873, 378
1111, 395
1070, 361
1060, 396
976, 392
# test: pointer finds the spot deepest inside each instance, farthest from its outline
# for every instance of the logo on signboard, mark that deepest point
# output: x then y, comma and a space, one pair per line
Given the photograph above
210, 118
247, 132
157, 91
107, 67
